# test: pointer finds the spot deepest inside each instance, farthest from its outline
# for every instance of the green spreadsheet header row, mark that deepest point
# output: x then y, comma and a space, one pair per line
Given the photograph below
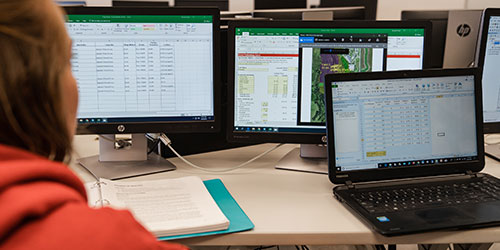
138, 19
298, 31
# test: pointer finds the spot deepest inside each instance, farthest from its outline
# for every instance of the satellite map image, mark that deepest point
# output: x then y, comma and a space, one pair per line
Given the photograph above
328, 61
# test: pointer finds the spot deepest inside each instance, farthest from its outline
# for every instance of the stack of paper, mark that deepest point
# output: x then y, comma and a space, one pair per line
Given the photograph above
165, 207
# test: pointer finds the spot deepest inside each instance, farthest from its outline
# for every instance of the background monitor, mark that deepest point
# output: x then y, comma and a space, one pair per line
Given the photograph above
265, 65
264, 69
221, 4
461, 35
369, 5
340, 13
120, 3
439, 20
279, 4
488, 61
144, 70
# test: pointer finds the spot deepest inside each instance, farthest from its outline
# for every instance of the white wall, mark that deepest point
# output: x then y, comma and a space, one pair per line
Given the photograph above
481, 4
240, 5
391, 9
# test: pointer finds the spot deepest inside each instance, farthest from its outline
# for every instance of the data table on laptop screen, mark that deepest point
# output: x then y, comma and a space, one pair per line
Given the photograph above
491, 74
403, 122
143, 68
271, 65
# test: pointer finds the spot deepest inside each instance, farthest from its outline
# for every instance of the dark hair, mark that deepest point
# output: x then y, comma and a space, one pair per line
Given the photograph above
34, 52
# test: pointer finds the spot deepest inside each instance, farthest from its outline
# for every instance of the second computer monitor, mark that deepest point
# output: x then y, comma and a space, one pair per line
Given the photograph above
488, 61
276, 71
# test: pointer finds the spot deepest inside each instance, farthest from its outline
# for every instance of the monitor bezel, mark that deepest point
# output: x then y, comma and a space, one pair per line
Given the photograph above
295, 137
168, 126
490, 127
340, 177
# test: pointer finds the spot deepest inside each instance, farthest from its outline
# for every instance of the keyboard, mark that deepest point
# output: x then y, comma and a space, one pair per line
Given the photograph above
412, 197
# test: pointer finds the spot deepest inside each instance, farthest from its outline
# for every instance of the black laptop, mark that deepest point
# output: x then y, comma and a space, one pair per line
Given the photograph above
405, 149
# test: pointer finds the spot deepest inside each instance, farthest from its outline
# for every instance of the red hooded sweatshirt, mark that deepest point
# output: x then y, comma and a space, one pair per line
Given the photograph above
43, 205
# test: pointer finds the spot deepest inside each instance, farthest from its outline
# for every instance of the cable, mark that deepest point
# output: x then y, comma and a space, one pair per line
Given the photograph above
155, 146
168, 143
121, 143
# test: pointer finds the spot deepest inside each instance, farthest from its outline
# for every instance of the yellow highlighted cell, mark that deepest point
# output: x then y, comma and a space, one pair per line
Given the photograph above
376, 153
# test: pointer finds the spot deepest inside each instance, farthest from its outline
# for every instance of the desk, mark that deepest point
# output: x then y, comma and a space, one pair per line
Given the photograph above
287, 208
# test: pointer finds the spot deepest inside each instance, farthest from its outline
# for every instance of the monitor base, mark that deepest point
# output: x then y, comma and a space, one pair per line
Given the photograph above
293, 161
125, 169
492, 151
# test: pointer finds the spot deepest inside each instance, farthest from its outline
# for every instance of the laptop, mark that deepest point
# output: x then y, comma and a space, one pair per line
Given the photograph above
405, 149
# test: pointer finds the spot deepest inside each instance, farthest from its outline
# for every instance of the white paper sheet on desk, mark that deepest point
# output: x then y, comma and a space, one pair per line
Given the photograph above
166, 207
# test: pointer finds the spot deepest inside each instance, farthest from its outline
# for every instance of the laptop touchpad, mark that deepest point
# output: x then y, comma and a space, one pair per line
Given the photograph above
440, 215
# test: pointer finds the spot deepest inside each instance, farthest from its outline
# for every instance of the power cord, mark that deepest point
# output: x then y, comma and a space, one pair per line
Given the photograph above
165, 140
155, 141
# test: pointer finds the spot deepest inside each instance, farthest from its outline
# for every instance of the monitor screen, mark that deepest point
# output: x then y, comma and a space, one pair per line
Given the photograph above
278, 78
350, 50
411, 122
149, 70
491, 74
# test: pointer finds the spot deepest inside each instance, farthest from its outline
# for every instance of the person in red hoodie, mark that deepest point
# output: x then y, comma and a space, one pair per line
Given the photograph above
43, 205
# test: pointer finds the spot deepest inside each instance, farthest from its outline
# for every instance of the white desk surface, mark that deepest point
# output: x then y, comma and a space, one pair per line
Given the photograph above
287, 207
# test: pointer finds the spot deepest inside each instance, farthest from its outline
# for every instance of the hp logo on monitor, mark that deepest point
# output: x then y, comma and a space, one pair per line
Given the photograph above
120, 128
324, 139
463, 30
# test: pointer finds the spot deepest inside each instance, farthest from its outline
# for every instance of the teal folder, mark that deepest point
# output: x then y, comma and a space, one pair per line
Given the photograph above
238, 220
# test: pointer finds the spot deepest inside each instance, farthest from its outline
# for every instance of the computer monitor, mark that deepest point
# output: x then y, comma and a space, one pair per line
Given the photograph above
143, 70
121, 3
439, 20
221, 4
266, 59
340, 13
488, 60
369, 5
71, 3
279, 4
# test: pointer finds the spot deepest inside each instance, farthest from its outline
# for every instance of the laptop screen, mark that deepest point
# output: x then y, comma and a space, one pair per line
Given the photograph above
408, 122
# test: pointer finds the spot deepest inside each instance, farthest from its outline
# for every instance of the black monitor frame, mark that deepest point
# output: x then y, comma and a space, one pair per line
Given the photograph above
223, 5
339, 13
370, 6
154, 127
306, 138
439, 20
288, 4
116, 3
490, 127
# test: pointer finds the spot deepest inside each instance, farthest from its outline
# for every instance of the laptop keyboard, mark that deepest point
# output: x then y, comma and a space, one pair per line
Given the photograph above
411, 197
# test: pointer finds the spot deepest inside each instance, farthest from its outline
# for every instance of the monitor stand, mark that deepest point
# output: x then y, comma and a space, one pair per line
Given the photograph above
309, 158
117, 163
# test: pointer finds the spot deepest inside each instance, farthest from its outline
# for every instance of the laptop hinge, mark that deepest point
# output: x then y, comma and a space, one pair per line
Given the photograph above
471, 174
350, 185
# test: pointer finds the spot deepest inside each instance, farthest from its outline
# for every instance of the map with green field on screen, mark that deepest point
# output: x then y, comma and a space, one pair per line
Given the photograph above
329, 61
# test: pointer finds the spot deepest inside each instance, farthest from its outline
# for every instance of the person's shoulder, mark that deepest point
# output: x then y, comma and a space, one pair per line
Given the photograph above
77, 226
